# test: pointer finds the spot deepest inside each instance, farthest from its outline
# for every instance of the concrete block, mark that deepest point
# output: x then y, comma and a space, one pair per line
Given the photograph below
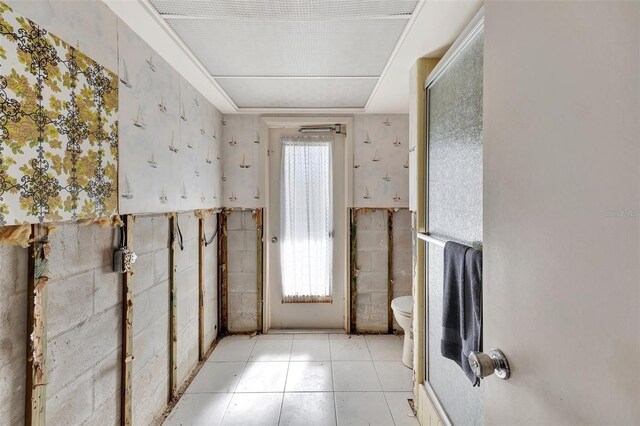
69, 303
234, 302
143, 348
150, 305
107, 289
108, 413
242, 282
12, 395
371, 241
14, 266
371, 312
402, 240
234, 261
235, 221
161, 265
188, 225
249, 222
143, 238
71, 405
372, 282
236, 240
143, 272
13, 326
73, 353
251, 241
402, 220
210, 225
380, 261
187, 350
187, 258
363, 261
250, 261
106, 379
374, 220
161, 232
150, 389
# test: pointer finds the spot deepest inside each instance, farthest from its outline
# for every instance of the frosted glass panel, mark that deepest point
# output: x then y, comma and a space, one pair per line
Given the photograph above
306, 256
455, 209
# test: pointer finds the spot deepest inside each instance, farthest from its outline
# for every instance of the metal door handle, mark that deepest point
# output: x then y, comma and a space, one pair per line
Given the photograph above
274, 240
483, 365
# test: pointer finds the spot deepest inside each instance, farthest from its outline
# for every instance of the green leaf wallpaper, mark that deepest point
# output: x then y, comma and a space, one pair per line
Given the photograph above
58, 128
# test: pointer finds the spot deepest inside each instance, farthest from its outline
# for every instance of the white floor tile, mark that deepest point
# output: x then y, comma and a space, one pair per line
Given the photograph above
309, 377
249, 409
199, 409
217, 377
233, 349
348, 348
276, 336
355, 376
272, 349
310, 348
263, 377
362, 408
385, 348
394, 376
400, 409
311, 335
308, 409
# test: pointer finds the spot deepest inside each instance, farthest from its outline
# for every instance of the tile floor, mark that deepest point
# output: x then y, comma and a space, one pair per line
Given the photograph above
300, 379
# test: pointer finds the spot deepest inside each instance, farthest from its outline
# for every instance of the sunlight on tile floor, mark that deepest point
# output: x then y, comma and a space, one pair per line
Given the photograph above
300, 379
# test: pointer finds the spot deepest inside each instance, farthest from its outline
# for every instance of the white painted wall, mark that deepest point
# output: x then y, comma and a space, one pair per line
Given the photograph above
562, 202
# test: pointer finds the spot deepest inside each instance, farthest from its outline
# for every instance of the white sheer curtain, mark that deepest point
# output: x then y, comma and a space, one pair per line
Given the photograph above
306, 221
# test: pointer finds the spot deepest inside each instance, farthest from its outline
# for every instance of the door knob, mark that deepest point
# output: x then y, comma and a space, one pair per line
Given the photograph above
484, 365
274, 240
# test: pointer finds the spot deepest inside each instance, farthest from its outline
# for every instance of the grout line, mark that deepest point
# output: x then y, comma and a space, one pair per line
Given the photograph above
285, 382
233, 394
333, 385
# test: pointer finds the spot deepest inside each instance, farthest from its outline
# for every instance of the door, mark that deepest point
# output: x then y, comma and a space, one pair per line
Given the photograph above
562, 211
307, 215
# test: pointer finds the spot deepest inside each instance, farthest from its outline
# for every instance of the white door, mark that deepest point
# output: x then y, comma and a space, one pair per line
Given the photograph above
306, 233
562, 211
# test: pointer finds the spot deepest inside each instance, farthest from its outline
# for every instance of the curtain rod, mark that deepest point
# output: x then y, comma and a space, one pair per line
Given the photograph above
316, 129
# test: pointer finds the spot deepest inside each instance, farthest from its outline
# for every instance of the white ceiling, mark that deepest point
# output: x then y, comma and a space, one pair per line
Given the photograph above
298, 55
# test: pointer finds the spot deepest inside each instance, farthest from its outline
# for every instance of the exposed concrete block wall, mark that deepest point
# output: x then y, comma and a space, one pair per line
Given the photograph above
242, 261
402, 256
84, 327
187, 284
372, 263
13, 333
210, 268
150, 376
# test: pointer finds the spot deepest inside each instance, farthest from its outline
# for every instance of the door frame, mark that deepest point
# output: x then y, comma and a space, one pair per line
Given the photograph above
267, 123
429, 408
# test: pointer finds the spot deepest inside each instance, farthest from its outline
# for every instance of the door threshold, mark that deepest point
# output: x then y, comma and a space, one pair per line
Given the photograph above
306, 331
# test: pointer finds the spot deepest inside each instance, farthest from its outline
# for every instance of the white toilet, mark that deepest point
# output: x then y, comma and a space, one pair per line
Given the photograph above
403, 312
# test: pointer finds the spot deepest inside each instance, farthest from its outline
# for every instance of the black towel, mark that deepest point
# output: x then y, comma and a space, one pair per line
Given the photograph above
462, 305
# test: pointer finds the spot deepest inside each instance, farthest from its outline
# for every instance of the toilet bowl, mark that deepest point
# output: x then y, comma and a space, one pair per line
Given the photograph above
403, 312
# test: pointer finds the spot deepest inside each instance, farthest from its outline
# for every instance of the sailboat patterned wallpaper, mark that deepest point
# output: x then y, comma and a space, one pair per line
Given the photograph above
381, 161
170, 135
58, 127
243, 164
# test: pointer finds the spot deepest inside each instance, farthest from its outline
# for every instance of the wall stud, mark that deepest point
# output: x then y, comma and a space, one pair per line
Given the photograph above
36, 369
126, 417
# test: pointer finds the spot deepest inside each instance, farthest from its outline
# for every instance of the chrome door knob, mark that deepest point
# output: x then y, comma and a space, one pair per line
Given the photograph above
274, 240
484, 365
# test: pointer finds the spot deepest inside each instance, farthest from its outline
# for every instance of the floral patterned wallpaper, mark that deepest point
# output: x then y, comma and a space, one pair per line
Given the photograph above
170, 136
58, 128
381, 161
